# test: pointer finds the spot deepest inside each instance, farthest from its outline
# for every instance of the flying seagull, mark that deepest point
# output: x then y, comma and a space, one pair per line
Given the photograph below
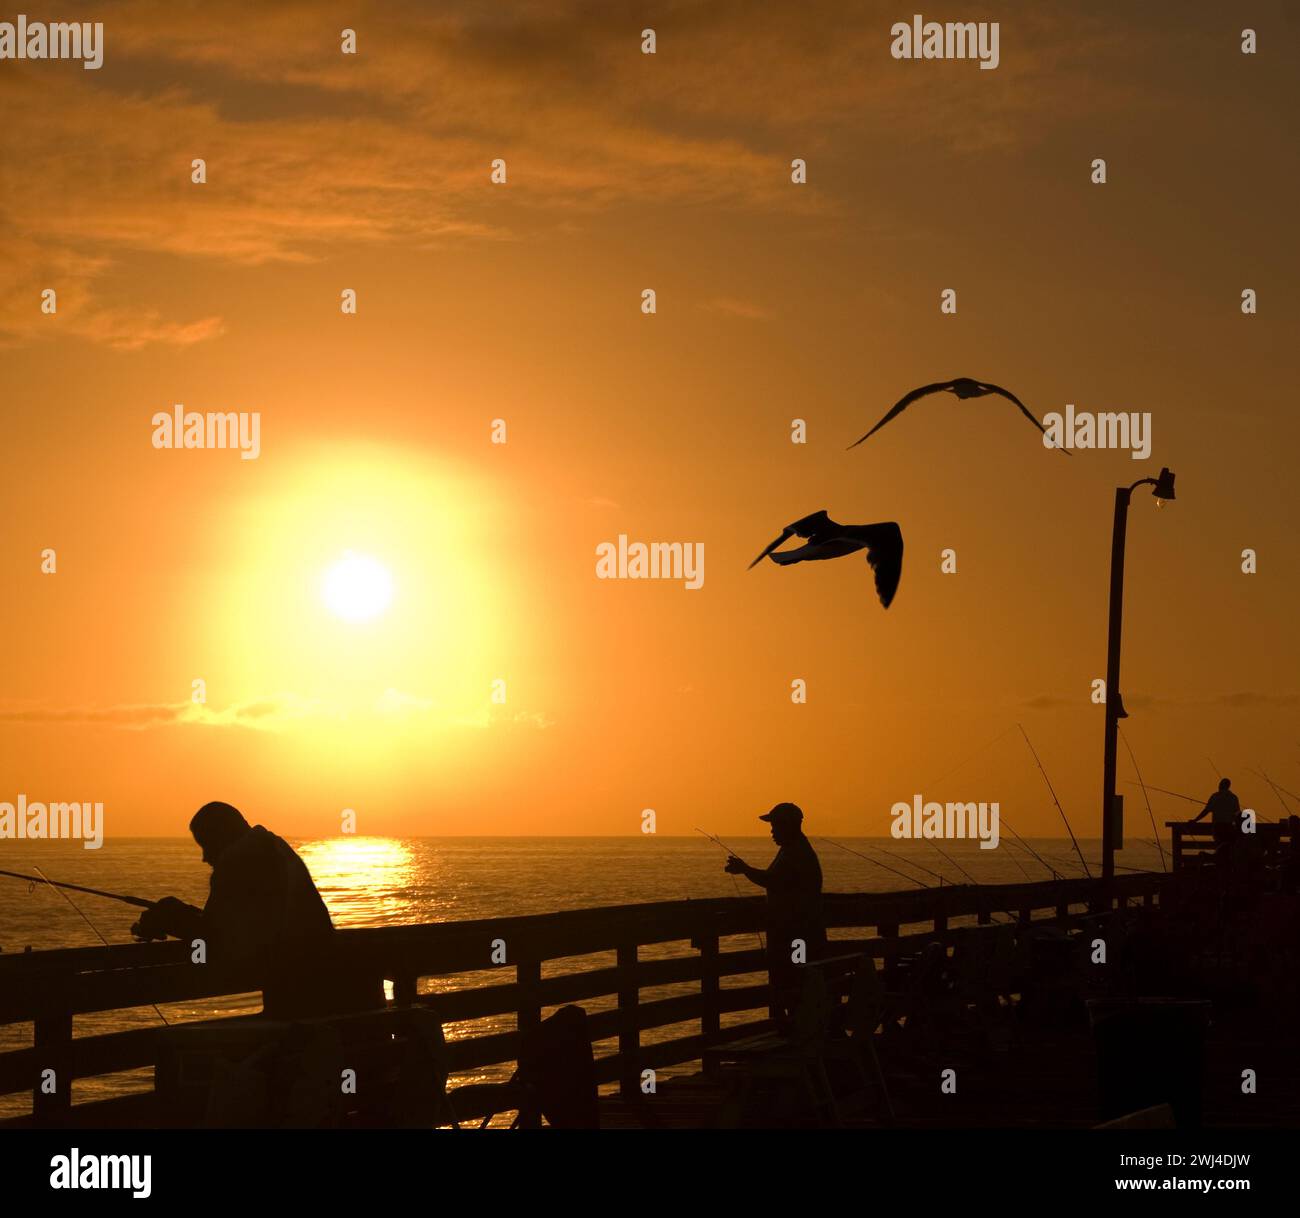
964, 388
828, 539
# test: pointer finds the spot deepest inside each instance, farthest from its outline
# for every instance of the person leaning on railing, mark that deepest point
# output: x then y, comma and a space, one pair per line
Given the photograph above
1224, 810
263, 915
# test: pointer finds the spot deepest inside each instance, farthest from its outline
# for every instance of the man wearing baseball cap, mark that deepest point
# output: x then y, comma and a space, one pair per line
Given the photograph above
794, 902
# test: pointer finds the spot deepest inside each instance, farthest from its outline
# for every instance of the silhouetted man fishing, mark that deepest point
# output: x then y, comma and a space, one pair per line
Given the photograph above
263, 913
794, 902
1224, 811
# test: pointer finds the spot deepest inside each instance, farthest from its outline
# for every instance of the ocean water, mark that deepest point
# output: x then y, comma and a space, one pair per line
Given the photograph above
370, 881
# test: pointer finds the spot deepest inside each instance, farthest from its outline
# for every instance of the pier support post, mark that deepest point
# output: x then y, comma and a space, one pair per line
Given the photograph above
890, 969
528, 977
629, 1034
52, 1040
710, 986
404, 990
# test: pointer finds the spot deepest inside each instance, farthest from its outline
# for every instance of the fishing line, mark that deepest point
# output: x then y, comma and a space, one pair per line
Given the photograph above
910, 878
1015, 858
1293, 795
1145, 796
947, 858
734, 882
1057, 802
972, 757
92, 926
938, 875
1118, 866
1191, 799
1056, 875
1285, 806
948, 774
907, 862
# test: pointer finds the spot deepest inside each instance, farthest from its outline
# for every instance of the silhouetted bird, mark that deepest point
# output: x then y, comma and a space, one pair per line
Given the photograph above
964, 388
827, 539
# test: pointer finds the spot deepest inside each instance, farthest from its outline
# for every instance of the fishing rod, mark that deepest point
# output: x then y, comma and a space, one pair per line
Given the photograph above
1146, 797
1293, 795
948, 774
952, 862
1057, 802
719, 842
1191, 799
960, 764
1050, 870
734, 882
1118, 866
1285, 806
886, 866
59, 889
938, 875
914, 880
1266, 778
95, 892
910, 862
1015, 858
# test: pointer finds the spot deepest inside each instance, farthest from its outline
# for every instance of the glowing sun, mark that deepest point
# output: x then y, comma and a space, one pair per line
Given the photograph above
357, 588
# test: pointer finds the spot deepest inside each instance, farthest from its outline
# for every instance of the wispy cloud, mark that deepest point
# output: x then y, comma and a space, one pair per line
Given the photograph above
274, 713
31, 267
309, 151
1049, 702
263, 714
732, 307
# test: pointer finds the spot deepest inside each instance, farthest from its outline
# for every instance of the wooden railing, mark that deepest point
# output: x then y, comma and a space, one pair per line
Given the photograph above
50, 988
1194, 843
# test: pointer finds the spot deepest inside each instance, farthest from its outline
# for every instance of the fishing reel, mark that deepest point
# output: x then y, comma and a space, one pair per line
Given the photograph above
166, 918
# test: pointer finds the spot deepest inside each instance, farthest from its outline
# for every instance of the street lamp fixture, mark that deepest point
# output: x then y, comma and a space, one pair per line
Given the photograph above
1111, 809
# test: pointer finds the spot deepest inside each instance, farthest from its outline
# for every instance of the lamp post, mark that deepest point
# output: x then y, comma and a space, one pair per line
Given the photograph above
1162, 489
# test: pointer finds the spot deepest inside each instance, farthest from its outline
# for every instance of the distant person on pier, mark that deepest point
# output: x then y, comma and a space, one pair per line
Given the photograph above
263, 914
794, 903
1224, 811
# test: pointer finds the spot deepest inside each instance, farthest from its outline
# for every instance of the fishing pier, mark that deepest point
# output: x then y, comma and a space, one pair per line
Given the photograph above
710, 988
666, 988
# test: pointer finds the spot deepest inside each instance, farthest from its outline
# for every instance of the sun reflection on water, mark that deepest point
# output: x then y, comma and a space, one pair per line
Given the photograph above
365, 881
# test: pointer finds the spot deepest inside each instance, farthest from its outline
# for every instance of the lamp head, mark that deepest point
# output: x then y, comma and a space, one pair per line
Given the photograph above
1164, 487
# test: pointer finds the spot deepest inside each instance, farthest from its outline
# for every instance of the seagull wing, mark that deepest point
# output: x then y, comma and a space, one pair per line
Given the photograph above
821, 548
788, 531
784, 558
1011, 397
807, 526
813, 524
885, 554
886, 559
903, 403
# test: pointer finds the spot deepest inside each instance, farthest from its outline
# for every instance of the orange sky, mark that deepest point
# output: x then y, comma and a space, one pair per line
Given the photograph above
522, 301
